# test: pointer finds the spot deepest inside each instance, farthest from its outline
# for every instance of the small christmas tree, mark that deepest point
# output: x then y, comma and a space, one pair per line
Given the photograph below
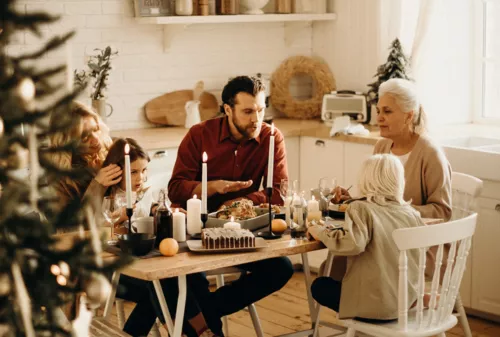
39, 273
395, 67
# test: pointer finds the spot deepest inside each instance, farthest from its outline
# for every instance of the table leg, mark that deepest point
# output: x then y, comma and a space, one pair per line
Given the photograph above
111, 299
317, 309
307, 274
173, 330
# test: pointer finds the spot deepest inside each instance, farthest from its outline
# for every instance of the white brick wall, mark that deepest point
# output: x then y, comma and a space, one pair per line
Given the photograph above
144, 70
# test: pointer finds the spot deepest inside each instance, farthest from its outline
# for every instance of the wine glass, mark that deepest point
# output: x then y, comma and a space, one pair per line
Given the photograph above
325, 188
111, 209
284, 189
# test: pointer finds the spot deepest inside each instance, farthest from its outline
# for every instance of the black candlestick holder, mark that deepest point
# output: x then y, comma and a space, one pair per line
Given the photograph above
129, 212
204, 218
269, 235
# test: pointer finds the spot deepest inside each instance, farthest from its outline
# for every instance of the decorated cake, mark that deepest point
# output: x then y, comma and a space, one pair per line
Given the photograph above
215, 238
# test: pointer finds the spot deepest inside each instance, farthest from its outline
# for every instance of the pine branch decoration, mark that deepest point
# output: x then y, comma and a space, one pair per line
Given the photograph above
37, 276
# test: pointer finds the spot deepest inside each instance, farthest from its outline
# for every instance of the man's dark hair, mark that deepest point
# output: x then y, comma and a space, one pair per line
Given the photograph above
249, 84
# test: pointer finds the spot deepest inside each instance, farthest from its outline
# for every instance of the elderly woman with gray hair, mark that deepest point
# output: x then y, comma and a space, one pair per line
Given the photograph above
427, 172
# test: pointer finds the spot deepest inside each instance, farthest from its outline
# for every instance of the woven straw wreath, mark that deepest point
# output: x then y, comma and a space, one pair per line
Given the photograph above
282, 100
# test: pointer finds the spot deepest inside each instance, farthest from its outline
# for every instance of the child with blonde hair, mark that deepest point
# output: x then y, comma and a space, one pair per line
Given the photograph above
369, 288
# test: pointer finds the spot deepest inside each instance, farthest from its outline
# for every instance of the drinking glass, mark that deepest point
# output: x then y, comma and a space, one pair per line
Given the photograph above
111, 209
325, 188
284, 189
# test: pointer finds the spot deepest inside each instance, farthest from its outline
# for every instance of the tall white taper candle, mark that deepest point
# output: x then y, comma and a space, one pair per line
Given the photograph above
270, 163
128, 179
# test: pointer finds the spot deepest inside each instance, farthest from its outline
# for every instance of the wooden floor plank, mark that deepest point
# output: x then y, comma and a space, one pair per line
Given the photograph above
287, 311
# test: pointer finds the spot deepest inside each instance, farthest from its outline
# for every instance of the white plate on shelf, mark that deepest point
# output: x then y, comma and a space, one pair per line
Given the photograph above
197, 247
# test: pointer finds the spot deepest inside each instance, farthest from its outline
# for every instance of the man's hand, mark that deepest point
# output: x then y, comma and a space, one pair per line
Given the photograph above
226, 186
340, 195
109, 175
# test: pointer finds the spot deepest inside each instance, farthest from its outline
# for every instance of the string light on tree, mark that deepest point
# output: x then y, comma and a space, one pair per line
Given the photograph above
26, 89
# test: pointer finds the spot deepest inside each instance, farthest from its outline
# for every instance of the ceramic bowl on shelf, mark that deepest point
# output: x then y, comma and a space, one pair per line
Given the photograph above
253, 7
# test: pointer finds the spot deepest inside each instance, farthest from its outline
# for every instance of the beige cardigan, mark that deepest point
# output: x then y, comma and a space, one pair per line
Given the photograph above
427, 178
370, 284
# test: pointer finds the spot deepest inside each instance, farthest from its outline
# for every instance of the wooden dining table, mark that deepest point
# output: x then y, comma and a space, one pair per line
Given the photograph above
186, 262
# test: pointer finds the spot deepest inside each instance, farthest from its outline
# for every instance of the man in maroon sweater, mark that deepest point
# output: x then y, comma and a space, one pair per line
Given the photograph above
237, 146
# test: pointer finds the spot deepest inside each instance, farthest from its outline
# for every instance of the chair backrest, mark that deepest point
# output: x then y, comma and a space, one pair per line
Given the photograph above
465, 191
458, 233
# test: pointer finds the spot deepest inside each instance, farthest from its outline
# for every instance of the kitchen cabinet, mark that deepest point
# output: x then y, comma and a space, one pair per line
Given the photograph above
485, 295
320, 158
354, 156
292, 145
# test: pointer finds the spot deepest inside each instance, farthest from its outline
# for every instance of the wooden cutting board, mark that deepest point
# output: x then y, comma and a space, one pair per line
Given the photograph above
169, 109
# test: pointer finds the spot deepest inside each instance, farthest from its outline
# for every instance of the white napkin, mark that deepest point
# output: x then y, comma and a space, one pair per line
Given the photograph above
342, 125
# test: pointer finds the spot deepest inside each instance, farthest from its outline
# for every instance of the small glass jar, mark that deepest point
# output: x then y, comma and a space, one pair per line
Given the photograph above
283, 6
184, 7
299, 227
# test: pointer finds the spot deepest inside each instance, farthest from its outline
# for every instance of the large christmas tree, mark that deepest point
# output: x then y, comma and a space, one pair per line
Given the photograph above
395, 67
40, 274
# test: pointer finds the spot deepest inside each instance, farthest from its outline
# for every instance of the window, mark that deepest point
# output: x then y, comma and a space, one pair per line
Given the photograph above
487, 60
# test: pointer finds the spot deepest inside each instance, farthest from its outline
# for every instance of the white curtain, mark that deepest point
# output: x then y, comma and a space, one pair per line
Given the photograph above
437, 36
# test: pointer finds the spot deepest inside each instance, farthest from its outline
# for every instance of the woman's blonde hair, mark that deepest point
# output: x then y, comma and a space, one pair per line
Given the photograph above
406, 96
65, 160
382, 179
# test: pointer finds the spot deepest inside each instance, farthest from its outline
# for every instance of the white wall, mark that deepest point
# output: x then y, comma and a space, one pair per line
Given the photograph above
144, 70
357, 42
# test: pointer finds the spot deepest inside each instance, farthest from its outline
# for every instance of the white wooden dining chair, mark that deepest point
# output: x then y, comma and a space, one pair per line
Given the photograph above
438, 318
466, 189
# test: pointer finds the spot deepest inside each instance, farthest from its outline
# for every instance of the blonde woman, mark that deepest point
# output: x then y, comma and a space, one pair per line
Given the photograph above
402, 125
94, 142
369, 288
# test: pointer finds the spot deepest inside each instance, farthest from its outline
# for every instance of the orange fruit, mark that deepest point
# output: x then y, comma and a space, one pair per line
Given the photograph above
278, 225
169, 247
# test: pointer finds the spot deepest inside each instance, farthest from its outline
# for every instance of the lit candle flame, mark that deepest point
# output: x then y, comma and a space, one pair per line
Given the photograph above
127, 148
232, 218
176, 210
205, 157
272, 128
194, 196
313, 198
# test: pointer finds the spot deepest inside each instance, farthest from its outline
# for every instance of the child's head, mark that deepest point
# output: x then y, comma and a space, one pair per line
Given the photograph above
382, 179
139, 160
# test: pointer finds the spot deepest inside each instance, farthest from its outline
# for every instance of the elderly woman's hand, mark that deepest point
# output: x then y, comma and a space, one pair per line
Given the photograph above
340, 195
109, 175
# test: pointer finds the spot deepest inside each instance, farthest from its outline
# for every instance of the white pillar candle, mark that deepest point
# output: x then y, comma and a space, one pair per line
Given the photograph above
313, 205
232, 224
194, 215
270, 162
128, 179
179, 224
204, 184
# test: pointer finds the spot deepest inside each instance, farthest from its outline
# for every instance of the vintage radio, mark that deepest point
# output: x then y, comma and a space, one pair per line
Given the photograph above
344, 103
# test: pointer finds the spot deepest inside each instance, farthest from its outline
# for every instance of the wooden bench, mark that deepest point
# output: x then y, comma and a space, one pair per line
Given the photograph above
102, 328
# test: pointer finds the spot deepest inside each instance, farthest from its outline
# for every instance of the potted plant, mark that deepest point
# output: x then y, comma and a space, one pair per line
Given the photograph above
99, 68
395, 67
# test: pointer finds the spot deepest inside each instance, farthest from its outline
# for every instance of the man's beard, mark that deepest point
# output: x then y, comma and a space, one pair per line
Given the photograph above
244, 130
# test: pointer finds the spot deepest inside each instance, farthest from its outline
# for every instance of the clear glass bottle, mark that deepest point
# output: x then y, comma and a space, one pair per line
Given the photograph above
163, 220
299, 229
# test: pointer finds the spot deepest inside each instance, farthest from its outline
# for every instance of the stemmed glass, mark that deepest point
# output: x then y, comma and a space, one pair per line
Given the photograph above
284, 189
111, 210
325, 188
